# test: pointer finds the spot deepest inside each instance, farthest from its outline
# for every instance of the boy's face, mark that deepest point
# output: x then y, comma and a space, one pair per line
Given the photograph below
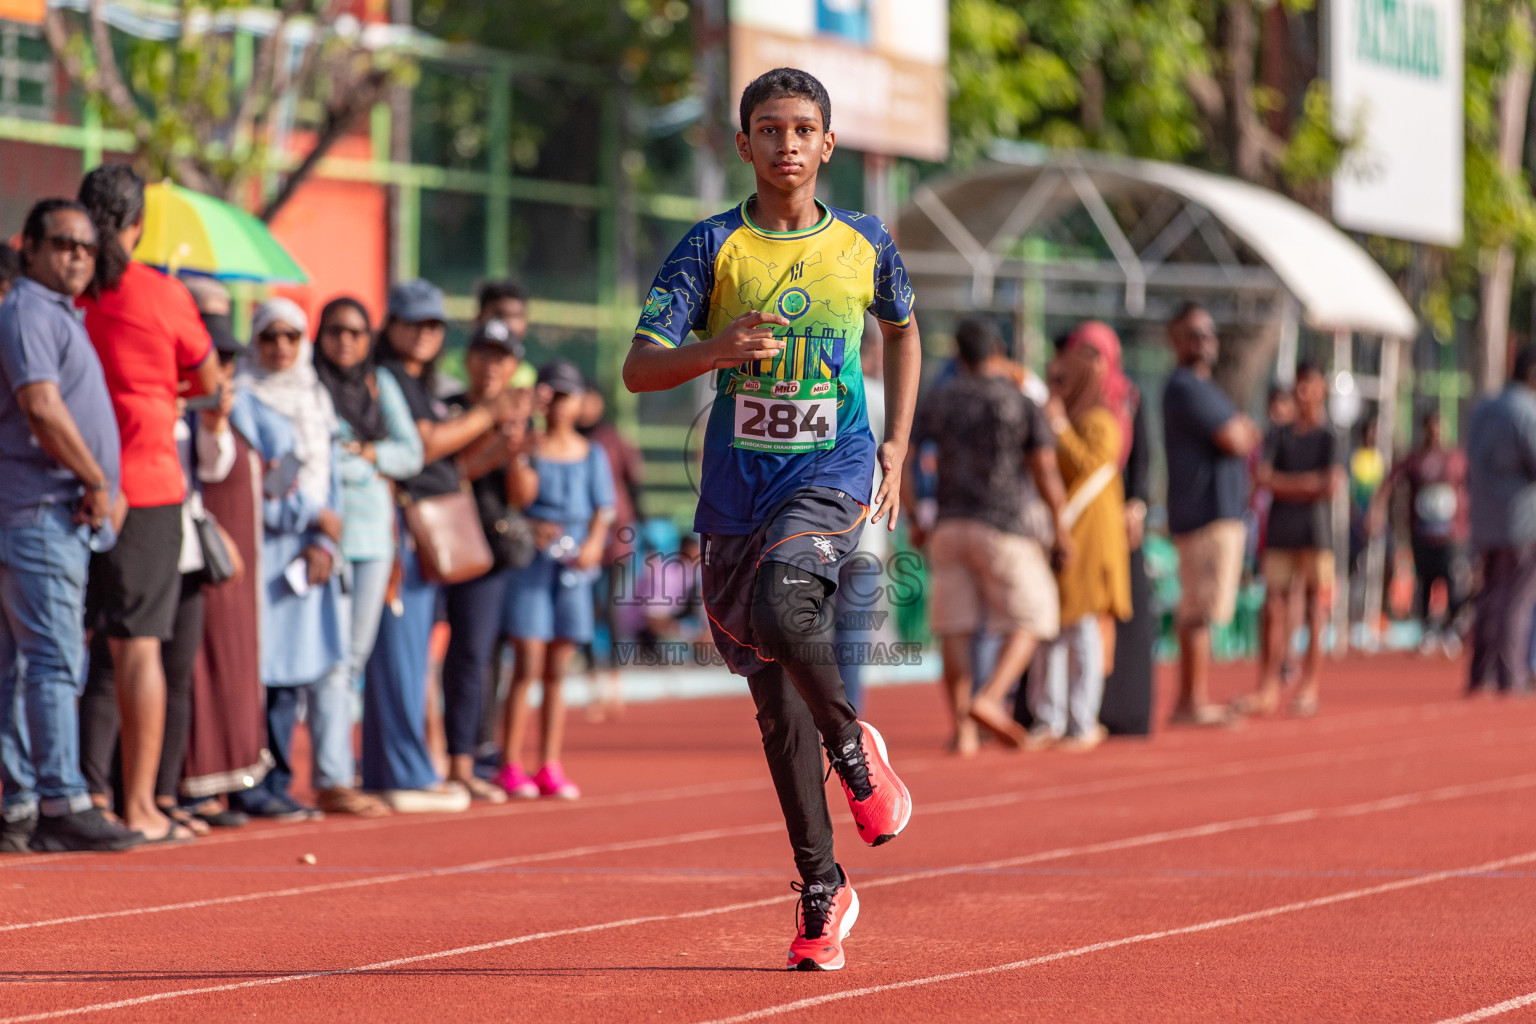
1311, 391
786, 143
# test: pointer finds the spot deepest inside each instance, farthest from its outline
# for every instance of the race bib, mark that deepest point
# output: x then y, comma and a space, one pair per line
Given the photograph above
1436, 508
785, 416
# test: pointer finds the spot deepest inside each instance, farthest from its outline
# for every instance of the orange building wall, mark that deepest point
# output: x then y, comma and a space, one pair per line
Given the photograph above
339, 233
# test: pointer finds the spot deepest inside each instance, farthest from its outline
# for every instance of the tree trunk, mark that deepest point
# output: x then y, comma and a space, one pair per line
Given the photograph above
1497, 279
1243, 125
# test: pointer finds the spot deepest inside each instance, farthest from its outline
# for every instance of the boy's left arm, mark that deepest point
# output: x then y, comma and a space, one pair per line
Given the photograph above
903, 369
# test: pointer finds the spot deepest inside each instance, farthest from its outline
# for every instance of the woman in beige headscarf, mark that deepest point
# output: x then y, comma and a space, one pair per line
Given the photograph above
1067, 683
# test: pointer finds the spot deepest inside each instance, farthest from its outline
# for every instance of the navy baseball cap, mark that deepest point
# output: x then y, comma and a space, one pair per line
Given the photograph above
417, 302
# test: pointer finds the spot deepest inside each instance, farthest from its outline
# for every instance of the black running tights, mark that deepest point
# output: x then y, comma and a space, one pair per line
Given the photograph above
801, 705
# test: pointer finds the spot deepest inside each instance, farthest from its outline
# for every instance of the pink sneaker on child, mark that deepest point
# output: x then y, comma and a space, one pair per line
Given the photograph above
518, 783
551, 781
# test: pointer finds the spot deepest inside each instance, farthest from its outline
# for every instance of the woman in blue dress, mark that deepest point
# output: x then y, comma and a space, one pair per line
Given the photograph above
566, 487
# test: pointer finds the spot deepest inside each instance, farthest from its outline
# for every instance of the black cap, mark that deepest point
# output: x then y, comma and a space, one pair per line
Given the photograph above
496, 334
222, 333
562, 377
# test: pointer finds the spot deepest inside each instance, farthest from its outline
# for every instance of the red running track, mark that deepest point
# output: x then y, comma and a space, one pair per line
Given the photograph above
1377, 863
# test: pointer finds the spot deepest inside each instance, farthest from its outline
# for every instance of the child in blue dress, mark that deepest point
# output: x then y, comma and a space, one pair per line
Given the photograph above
564, 483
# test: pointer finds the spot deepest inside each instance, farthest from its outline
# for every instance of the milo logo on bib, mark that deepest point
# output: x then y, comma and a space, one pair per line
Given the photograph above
800, 416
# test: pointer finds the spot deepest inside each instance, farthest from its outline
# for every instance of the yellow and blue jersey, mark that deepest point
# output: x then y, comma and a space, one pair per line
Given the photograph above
822, 280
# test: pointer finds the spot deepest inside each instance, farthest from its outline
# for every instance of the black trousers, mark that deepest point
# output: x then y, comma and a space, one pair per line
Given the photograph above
801, 706
1433, 562
1501, 634
474, 622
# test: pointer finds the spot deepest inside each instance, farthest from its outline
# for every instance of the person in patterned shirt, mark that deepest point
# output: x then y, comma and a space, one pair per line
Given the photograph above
776, 290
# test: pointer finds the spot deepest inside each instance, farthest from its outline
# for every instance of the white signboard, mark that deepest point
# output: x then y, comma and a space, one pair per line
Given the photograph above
884, 62
1396, 69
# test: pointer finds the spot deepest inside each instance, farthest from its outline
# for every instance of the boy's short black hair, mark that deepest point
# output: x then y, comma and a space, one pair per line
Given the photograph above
496, 291
781, 82
976, 341
1307, 369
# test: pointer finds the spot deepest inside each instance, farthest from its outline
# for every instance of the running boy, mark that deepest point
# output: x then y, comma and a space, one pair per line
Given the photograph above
776, 289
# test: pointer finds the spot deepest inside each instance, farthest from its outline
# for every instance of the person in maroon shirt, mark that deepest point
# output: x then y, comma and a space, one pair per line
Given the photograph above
146, 329
1438, 529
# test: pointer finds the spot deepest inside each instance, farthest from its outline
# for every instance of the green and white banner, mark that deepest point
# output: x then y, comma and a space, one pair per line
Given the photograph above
1395, 68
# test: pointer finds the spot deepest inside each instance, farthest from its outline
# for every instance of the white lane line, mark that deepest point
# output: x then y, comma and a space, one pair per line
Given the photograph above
1351, 810
406, 876
954, 806
1416, 713
384, 965
338, 826
1507, 1006
1131, 940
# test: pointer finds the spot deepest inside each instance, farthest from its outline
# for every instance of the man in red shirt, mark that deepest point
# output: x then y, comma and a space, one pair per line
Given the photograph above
146, 329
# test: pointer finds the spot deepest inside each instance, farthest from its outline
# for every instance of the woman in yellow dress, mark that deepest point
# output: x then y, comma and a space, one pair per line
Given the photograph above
1067, 683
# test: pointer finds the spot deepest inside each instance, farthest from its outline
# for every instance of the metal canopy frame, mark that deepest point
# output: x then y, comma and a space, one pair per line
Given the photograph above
967, 244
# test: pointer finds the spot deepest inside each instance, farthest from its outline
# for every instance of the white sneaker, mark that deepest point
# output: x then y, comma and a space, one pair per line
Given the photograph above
444, 798
1450, 643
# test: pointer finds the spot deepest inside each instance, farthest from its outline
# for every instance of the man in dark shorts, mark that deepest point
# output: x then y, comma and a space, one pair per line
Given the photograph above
147, 331
984, 567
778, 287
1207, 441
1438, 530
1301, 467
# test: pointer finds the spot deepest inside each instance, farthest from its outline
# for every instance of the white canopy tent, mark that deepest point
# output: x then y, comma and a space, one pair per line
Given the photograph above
1076, 234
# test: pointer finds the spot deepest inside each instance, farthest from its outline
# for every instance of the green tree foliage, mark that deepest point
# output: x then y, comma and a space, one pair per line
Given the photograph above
205, 100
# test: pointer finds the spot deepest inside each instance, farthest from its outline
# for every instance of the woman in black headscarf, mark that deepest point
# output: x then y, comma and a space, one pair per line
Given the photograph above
380, 443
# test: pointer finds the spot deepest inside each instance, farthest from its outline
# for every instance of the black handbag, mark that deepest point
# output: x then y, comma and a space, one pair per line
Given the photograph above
507, 531
218, 567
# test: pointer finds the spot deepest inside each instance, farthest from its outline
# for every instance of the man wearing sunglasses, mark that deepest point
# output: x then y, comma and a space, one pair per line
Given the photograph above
59, 461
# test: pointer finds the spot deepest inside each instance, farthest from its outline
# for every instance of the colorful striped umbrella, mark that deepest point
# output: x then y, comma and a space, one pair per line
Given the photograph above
186, 230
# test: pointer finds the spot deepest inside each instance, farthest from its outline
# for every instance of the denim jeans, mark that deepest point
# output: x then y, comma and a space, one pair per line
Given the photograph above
1067, 684
395, 754
42, 647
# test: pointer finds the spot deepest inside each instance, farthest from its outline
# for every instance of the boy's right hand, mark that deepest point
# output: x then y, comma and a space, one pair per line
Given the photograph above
748, 338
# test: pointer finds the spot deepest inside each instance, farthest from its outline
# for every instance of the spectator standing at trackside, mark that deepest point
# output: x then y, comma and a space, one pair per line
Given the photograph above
378, 444
1066, 686
1206, 441
1302, 468
305, 642
396, 762
564, 484
147, 331
59, 460
983, 565
1438, 527
505, 300
1501, 480
10, 268
475, 606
